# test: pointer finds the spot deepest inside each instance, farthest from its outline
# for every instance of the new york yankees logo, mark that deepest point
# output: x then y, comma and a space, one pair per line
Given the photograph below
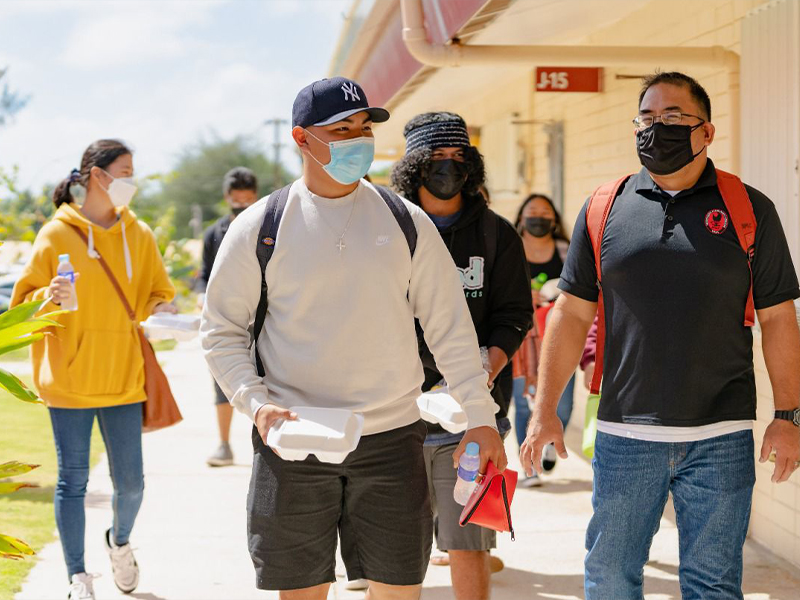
349, 89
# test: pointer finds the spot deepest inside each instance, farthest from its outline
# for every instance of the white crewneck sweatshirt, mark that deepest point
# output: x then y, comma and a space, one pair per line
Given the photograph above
339, 331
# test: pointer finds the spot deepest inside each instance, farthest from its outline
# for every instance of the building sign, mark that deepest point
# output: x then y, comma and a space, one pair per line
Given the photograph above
569, 79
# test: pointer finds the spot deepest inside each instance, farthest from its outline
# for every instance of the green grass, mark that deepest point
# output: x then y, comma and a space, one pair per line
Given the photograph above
26, 436
164, 345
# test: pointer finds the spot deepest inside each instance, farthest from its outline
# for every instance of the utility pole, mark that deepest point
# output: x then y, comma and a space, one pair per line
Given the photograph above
276, 145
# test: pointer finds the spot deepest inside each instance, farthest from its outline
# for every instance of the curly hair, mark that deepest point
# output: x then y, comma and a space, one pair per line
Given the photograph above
410, 171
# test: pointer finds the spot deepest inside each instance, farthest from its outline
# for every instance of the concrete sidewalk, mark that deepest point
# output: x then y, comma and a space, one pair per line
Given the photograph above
190, 536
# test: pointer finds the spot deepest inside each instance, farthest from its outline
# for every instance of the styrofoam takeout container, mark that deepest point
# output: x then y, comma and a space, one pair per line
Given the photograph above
164, 326
440, 407
330, 434
550, 290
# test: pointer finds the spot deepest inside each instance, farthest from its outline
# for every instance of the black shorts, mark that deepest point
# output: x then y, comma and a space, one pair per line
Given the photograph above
376, 501
219, 395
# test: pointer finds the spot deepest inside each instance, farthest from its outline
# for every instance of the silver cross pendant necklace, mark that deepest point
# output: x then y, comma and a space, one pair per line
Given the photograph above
340, 245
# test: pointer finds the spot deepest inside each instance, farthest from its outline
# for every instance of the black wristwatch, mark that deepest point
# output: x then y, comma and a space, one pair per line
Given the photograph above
789, 415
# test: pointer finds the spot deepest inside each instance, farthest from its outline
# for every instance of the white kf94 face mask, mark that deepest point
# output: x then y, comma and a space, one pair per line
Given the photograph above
121, 190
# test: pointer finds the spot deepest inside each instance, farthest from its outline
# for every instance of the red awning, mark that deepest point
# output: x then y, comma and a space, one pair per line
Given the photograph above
390, 65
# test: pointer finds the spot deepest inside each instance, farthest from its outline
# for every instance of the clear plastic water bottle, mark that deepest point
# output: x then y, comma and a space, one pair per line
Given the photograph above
487, 364
65, 269
468, 466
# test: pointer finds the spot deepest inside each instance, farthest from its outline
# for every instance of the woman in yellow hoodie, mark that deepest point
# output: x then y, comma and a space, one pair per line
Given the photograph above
93, 366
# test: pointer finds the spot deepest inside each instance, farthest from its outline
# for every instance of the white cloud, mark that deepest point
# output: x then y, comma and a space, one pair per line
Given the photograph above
120, 34
201, 72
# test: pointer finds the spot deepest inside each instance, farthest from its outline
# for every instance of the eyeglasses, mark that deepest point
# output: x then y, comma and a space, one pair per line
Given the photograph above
668, 118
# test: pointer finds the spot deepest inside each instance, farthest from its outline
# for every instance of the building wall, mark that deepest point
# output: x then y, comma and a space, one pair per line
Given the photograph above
600, 147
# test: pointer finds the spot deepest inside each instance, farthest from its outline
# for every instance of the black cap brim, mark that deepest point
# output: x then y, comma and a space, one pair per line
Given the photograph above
378, 115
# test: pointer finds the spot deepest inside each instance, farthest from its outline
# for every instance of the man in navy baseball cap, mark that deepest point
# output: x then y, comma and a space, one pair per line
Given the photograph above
352, 266
330, 100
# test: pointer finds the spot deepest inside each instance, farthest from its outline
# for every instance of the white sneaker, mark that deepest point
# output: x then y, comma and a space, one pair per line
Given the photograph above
356, 584
549, 458
123, 565
222, 457
530, 482
81, 587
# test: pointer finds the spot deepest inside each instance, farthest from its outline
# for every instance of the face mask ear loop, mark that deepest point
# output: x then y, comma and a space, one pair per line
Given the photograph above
311, 154
695, 155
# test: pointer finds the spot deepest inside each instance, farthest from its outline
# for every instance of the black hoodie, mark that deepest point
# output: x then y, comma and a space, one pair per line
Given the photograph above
499, 300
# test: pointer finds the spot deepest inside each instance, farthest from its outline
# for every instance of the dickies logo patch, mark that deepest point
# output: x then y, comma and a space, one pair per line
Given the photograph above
716, 221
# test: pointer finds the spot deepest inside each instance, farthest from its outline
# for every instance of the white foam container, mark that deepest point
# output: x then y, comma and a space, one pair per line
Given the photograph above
330, 434
164, 326
440, 407
550, 290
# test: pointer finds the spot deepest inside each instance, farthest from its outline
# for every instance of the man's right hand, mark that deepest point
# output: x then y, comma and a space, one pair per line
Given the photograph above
543, 429
268, 415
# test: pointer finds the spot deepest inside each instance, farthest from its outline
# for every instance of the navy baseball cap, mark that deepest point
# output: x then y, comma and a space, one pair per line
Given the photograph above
330, 100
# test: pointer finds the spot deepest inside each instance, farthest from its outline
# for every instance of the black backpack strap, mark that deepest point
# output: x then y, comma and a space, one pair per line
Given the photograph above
402, 216
490, 225
264, 249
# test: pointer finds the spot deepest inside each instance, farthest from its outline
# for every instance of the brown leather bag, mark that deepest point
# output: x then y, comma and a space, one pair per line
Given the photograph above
160, 410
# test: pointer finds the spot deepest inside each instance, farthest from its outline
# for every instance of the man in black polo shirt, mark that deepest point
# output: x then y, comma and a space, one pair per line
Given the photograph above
678, 398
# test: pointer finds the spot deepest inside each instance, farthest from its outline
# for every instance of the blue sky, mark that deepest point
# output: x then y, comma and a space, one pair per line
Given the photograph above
158, 74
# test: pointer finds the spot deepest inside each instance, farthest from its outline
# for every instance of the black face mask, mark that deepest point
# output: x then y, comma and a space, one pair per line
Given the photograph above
237, 210
665, 149
539, 226
445, 178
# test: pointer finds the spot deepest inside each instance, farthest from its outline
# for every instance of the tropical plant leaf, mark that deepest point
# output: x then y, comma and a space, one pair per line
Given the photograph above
9, 487
16, 388
21, 313
14, 468
21, 342
13, 548
55, 313
30, 326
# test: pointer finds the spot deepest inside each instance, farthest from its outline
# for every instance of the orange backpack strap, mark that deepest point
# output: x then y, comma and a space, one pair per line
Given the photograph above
597, 212
740, 208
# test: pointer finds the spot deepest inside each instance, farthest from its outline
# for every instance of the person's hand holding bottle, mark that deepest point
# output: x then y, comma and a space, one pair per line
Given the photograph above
61, 289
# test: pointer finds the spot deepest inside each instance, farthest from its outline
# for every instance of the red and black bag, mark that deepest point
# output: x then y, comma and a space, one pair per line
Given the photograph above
490, 503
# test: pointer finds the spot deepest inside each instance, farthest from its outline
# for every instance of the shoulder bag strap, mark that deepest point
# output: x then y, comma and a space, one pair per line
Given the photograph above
402, 216
265, 247
111, 277
596, 218
738, 203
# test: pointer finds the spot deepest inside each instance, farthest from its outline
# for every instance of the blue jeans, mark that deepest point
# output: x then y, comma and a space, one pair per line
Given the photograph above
121, 427
712, 487
522, 412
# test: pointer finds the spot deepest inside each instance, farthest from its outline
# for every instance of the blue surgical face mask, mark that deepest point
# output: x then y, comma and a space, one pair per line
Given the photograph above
350, 159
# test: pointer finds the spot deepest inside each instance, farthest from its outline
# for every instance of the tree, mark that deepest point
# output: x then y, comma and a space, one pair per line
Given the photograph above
197, 181
22, 213
10, 102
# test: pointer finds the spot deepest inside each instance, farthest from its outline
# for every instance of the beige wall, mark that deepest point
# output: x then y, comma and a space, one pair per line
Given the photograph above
600, 146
